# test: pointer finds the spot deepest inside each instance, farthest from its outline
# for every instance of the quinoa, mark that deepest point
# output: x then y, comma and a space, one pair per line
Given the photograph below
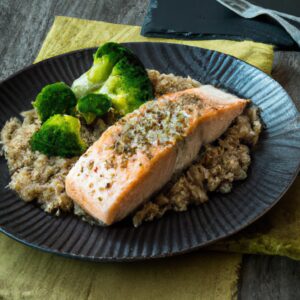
34, 176
169, 83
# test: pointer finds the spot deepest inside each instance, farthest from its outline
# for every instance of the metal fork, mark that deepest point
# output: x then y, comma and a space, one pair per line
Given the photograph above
247, 10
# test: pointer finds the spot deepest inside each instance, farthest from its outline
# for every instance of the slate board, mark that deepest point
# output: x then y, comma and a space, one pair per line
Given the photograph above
207, 19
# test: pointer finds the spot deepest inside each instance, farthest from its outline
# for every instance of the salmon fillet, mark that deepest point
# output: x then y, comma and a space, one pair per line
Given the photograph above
139, 154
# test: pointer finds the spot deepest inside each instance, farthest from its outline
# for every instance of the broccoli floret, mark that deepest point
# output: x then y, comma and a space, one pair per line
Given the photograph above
128, 86
56, 98
105, 58
92, 106
59, 136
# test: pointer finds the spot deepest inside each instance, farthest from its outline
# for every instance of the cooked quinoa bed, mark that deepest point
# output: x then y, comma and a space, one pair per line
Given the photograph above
34, 176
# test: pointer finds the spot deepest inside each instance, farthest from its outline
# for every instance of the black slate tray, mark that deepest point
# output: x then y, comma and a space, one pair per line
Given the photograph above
207, 19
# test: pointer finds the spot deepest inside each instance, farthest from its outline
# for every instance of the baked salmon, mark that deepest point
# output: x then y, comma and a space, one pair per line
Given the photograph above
140, 153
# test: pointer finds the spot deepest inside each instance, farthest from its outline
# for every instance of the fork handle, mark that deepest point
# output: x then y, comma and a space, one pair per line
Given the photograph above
287, 16
291, 29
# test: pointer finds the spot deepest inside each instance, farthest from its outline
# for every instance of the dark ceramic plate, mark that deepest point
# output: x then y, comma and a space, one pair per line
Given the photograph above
275, 162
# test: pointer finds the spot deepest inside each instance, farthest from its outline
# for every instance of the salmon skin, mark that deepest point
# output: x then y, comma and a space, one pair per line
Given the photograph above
140, 153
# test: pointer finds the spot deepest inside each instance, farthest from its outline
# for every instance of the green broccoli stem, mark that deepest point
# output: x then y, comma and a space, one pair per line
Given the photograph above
100, 70
89, 117
94, 78
83, 86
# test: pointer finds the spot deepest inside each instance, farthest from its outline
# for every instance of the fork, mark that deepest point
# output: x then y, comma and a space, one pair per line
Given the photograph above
248, 10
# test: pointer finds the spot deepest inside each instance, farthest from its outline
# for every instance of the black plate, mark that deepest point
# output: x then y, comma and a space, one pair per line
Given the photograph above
275, 162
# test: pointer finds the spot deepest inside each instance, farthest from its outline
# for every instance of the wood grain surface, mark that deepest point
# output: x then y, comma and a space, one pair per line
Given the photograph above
23, 26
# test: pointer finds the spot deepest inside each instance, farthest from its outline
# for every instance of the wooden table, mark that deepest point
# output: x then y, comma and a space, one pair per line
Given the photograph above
23, 27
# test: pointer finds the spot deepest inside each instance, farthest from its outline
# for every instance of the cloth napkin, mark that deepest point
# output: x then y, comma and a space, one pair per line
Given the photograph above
28, 273
69, 34
31, 274
276, 233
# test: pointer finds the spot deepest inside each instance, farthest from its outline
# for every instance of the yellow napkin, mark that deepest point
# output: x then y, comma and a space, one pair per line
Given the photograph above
27, 273
276, 233
69, 34
31, 274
